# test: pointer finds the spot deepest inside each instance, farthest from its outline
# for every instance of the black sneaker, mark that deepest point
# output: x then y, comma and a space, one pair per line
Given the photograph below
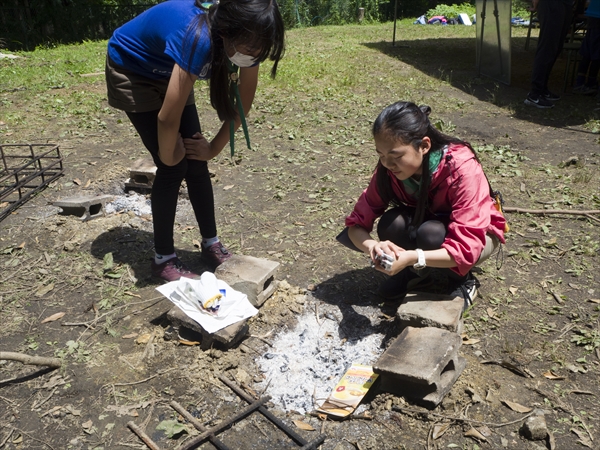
539, 101
550, 96
467, 289
396, 287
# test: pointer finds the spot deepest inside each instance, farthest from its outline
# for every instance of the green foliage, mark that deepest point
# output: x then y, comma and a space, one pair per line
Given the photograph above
451, 11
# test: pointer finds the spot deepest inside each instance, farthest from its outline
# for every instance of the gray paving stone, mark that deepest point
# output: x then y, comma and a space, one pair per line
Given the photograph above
84, 207
228, 336
141, 174
421, 364
423, 309
252, 276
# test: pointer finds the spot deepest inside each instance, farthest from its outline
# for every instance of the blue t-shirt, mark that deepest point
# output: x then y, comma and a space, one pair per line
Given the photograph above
593, 9
153, 42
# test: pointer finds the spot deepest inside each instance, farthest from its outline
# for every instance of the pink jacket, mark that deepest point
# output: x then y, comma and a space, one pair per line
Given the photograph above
458, 188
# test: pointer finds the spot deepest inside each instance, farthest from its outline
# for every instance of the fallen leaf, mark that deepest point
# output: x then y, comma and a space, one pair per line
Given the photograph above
439, 430
583, 439
21, 246
303, 425
485, 430
516, 406
43, 290
129, 336
226, 188
132, 294
143, 339
473, 433
513, 290
491, 313
196, 243
171, 428
77, 181
87, 424
18, 439
552, 376
594, 300
184, 342
471, 341
87, 185
3, 204
53, 317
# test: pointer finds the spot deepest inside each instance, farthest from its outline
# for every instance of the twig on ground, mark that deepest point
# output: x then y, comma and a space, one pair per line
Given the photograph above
460, 419
587, 213
143, 436
37, 405
262, 339
5, 440
28, 359
35, 439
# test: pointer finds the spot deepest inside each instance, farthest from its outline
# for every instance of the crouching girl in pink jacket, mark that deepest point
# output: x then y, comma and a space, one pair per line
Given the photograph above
434, 204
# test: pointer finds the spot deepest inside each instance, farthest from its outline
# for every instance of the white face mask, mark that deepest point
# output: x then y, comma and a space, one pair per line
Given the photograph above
241, 60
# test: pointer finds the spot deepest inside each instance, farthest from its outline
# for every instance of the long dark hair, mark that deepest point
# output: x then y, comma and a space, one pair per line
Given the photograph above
255, 23
408, 124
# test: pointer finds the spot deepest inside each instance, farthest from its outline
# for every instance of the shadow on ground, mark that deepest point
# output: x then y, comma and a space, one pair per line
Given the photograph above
454, 61
134, 247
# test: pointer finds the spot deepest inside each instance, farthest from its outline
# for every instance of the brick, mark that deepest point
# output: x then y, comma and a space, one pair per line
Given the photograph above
423, 309
421, 364
84, 207
227, 337
252, 276
141, 174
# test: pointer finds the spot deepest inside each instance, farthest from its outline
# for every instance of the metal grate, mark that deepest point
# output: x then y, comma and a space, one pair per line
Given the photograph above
210, 434
26, 169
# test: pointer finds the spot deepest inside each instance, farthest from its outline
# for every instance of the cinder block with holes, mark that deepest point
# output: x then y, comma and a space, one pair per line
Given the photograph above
84, 207
141, 174
422, 364
228, 336
423, 309
252, 276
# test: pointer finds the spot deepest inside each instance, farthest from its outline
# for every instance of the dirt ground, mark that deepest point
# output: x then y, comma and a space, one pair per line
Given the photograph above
532, 338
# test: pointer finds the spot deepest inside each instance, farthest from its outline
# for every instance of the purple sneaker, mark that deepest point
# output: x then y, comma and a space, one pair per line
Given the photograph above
172, 270
215, 255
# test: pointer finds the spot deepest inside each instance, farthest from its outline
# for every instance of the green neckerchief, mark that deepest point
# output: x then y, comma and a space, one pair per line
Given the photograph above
412, 186
235, 79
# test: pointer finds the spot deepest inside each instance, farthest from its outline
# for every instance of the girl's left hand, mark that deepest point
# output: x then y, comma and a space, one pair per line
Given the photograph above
197, 147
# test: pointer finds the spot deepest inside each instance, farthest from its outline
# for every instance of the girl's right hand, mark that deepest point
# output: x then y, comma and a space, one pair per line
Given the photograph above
197, 147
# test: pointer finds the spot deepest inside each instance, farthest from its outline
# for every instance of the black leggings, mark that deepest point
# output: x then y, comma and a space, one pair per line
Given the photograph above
165, 189
394, 226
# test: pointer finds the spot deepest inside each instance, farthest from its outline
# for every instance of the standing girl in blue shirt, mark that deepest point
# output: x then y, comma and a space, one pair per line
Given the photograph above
152, 64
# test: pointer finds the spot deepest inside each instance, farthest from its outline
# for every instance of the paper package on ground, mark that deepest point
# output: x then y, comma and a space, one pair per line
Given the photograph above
209, 301
349, 391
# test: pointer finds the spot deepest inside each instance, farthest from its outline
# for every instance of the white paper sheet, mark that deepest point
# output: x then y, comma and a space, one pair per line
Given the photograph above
235, 306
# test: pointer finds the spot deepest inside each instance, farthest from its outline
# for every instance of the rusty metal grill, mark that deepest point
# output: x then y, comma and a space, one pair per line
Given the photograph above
210, 434
26, 169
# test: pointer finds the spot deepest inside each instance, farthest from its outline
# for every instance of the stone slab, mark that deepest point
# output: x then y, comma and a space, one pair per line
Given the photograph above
84, 207
228, 336
252, 276
422, 364
423, 309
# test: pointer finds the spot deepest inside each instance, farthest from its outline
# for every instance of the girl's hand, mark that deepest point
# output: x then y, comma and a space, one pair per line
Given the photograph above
391, 249
197, 147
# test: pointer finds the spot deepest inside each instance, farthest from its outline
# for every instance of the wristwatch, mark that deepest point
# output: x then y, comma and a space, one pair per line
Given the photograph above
420, 264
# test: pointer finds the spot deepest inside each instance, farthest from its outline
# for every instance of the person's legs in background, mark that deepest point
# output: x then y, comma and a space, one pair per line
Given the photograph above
555, 20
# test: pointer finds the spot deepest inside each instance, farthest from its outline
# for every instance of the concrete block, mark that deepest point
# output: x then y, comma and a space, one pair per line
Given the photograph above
84, 207
141, 174
228, 336
421, 364
252, 276
423, 309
